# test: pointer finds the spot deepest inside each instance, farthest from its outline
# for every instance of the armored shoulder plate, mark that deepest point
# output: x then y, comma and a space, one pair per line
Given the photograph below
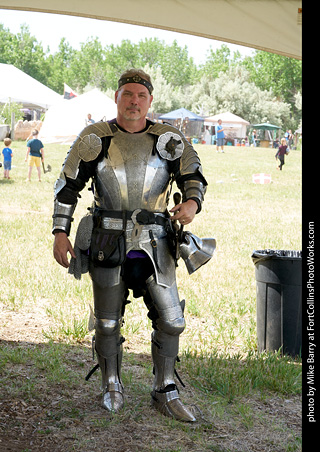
190, 162
87, 146
173, 144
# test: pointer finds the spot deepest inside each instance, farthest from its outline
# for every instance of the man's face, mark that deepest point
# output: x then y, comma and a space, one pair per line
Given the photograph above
133, 101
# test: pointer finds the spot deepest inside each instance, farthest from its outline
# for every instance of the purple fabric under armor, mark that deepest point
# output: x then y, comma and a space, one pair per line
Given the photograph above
136, 254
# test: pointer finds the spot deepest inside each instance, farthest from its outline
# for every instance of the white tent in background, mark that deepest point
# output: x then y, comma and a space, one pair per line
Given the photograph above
234, 126
65, 120
16, 86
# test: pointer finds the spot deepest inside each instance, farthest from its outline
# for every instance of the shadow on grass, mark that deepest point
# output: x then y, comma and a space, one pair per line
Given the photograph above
46, 404
6, 181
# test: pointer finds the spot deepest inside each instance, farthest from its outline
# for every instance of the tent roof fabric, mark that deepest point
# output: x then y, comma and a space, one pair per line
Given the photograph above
16, 86
181, 113
265, 126
270, 25
65, 120
227, 117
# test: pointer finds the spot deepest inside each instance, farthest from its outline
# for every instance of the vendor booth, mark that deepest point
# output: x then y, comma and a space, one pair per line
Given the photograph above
186, 121
267, 134
235, 128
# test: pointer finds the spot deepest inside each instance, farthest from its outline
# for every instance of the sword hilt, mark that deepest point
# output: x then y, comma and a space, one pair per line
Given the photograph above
176, 198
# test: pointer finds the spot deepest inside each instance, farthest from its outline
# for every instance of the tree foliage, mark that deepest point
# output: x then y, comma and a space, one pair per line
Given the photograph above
6, 111
264, 87
233, 91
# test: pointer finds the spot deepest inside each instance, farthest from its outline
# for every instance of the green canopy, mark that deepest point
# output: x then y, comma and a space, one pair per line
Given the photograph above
264, 126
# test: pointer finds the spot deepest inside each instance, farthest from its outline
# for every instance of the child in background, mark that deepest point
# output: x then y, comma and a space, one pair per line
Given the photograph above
7, 158
282, 151
35, 155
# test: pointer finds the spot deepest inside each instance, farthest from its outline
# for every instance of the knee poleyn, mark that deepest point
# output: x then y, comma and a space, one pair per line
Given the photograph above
172, 327
107, 327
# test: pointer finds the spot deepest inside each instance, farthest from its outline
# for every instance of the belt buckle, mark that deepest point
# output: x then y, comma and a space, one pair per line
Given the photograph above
137, 228
134, 215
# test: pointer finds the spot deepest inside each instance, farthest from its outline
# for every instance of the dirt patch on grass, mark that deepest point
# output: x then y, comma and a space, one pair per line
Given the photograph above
47, 405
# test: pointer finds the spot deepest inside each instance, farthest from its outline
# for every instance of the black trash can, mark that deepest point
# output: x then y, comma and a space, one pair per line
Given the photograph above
279, 300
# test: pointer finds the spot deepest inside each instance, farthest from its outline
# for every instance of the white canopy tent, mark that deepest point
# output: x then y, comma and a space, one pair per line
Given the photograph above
270, 25
233, 125
16, 86
65, 120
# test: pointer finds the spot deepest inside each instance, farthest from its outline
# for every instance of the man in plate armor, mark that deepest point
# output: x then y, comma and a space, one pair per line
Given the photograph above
132, 162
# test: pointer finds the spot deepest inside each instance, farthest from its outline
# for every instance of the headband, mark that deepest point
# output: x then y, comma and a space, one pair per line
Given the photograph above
135, 79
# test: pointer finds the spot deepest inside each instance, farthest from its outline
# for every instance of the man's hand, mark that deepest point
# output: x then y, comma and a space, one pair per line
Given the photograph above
185, 212
61, 247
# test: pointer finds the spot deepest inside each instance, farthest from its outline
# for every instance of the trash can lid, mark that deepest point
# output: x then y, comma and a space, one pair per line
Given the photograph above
260, 255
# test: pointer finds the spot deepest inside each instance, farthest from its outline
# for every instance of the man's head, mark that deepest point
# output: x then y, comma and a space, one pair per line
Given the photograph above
35, 132
135, 76
133, 98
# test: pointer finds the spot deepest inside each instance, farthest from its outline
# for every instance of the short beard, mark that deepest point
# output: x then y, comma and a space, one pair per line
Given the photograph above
128, 117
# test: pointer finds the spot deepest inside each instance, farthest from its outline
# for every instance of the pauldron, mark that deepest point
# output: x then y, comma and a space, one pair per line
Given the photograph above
190, 164
87, 146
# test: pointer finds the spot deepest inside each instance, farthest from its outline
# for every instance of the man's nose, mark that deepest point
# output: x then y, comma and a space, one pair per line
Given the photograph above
134, 99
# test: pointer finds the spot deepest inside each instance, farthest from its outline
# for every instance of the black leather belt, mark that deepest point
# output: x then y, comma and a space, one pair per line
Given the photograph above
140, 216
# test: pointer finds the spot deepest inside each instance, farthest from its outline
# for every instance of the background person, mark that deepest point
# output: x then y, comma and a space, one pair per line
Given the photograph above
7, 158
89, 119
220, 136
282, 151
35, 154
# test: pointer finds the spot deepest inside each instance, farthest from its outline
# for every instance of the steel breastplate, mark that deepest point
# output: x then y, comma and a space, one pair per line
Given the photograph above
132, 176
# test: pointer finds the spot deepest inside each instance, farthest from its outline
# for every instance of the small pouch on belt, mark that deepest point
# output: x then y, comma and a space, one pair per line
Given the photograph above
108, 246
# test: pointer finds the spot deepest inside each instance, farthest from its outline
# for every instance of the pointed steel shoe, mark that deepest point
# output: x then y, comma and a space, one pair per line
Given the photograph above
112, 398
169, 404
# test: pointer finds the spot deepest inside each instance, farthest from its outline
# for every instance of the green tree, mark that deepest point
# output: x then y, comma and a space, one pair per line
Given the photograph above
280, 73
150, 52
232, 91
118, 59
219, 60
59, 64
176, 66
24, 52
87, 66
163, 94
7, 110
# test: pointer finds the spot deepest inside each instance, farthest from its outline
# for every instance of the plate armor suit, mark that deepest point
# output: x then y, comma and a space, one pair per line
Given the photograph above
132, 176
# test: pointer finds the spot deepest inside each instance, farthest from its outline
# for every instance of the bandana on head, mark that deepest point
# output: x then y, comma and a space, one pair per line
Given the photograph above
135, 79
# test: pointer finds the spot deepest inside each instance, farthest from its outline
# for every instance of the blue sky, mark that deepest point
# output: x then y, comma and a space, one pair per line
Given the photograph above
50, 28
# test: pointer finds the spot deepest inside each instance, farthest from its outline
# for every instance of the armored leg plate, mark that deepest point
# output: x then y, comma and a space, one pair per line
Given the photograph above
169, 404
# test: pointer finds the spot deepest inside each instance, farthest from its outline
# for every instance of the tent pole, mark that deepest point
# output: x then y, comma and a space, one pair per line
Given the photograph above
12, 125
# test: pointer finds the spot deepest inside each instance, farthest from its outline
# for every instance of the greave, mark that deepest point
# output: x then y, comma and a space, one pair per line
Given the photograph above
109, 353
112, 389
164, 350
165, 397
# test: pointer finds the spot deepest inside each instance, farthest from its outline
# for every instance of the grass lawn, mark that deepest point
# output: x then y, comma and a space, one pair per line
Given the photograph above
245, 400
